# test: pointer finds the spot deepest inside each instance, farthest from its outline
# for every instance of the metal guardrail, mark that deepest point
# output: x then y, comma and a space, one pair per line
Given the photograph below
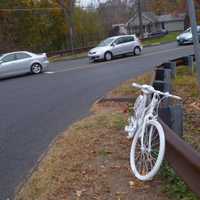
184, 160
181, 156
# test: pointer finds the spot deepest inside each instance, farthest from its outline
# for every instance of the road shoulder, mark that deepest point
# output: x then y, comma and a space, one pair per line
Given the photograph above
91, 161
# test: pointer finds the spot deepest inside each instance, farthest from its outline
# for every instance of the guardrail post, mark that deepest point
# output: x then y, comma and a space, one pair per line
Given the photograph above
172, 115
162, 80
171, 66
189, 61
176, 114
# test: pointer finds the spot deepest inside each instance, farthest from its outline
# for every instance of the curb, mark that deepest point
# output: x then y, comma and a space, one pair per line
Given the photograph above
157, 44
66, 59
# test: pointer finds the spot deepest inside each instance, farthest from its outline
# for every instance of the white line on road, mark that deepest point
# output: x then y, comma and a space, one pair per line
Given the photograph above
49, 72
113, 61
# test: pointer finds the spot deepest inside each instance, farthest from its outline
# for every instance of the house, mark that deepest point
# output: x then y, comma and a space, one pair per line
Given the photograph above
118, 29
150, 23
153, 23
172, 22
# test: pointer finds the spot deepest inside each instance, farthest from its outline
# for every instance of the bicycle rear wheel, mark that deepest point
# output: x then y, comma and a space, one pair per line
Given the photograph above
145, 162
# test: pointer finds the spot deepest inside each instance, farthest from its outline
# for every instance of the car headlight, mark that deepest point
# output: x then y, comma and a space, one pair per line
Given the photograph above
92, 53
178, 37
188, 38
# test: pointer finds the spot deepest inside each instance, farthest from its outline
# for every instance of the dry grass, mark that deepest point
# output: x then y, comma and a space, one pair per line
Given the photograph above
67, 57
90, 161
126, 89
187, 87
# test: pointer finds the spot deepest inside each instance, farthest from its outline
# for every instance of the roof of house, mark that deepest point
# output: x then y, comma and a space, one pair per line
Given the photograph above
150, 17
167, 18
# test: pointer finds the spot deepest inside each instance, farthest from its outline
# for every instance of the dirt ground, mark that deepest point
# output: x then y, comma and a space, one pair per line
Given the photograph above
186, 86
91, 161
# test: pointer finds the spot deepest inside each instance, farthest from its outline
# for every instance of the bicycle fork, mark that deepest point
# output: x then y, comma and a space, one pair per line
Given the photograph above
146, 147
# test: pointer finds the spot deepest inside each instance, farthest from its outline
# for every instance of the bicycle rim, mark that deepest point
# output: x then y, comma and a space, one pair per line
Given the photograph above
144, 163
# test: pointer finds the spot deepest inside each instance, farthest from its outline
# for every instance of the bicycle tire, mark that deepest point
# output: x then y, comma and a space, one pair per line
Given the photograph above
135, 160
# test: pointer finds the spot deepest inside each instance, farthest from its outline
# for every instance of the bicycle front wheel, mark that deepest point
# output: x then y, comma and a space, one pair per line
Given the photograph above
146, 159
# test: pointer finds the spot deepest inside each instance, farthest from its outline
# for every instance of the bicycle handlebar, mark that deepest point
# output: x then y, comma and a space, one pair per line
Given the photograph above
152, 90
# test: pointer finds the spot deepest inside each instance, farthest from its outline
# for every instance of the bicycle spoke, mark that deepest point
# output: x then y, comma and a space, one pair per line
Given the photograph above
157, 144
155, 137
146, 166
154, 154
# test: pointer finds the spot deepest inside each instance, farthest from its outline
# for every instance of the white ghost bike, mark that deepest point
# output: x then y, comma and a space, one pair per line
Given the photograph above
148, 146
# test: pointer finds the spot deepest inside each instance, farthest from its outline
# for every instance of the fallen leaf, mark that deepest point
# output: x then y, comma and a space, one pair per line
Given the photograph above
78, 193
131, 183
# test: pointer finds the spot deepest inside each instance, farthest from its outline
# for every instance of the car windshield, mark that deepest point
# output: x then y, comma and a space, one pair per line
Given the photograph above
106, 42
187, 30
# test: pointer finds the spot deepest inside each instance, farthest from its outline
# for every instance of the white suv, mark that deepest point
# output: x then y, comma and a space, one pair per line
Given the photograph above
115, 46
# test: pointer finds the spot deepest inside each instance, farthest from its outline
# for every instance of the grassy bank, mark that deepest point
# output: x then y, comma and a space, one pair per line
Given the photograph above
186, 86
170, 37
67, 57
90, 160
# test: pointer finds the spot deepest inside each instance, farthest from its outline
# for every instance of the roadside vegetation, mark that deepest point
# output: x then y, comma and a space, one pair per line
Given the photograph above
186, 86
174, 186
170, 37
47, 26
67, 57
91, 159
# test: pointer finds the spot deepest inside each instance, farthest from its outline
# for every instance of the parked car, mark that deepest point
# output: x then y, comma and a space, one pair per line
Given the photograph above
22, 62
115, 46
186, 36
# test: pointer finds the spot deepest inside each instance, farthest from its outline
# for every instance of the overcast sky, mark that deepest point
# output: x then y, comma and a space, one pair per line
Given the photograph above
88, 2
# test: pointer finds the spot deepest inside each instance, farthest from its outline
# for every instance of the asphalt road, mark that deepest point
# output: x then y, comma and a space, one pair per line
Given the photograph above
35, 109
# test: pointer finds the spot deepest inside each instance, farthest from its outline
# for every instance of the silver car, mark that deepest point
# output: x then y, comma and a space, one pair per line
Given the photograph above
186, 37
115, 46
22, 62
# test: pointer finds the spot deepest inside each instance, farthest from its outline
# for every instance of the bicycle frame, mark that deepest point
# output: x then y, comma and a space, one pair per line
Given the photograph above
147, 114
148, 146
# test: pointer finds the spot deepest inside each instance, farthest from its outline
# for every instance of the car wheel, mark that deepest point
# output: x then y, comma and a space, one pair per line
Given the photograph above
179, 43
108, 56
137, 51
36, 68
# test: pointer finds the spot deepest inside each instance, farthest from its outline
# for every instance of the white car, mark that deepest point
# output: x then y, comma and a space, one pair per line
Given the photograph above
115, 46
22, 62
186, 37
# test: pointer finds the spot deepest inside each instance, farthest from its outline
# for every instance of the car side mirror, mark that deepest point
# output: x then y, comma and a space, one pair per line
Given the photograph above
113, 44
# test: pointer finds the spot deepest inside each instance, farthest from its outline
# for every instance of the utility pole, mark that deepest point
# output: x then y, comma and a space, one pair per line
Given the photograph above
140, 19
68, 14
192, 14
